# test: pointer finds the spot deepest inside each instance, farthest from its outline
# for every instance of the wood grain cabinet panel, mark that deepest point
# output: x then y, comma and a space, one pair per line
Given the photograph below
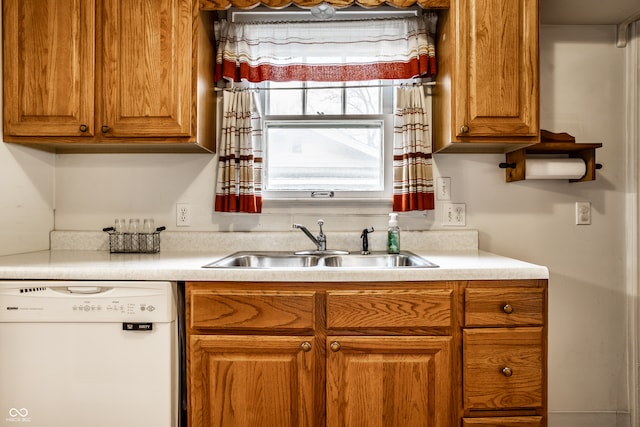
389, 308
146, 67
232, 310
49, 67
389, 381
242, 381
504, 307
488, 76
498, 67
503, 368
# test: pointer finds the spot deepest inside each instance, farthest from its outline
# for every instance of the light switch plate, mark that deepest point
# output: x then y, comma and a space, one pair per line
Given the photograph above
443, 188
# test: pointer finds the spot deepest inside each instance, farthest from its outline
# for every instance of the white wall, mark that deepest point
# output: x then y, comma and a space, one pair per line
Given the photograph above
26, 199
582, 94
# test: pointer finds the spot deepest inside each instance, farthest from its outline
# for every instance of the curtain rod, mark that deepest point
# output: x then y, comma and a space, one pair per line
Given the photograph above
221, 89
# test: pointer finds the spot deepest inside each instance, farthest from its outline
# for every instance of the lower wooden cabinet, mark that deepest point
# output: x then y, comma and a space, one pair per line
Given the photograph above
438, 354
250, 380
389, 381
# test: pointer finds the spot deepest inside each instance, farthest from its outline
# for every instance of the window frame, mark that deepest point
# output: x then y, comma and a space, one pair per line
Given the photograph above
386, 118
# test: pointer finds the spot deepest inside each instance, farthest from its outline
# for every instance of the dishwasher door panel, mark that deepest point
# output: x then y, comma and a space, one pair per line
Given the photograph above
87, 374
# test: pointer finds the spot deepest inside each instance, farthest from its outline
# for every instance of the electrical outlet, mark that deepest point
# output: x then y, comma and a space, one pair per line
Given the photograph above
443, 188
583, 213
183, 214
454, 214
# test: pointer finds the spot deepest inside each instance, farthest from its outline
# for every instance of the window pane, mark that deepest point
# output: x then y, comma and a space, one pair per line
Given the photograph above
364, 100
324, 101
324, 157
286, 102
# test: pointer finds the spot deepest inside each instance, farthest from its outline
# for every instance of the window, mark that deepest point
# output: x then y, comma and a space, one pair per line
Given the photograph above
325, 129
326, 138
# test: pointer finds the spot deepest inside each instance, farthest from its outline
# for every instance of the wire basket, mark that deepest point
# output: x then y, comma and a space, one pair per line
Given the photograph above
142, 243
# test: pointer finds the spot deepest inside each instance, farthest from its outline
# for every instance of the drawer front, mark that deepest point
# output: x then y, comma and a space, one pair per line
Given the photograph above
504, 306
502, 368
503, 422
294, 310
389, 309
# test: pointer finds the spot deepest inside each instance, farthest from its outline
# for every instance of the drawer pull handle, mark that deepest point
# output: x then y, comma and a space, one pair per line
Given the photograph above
105, 129
464, 129
508, 308
507, 371
335, 346
306, 346
84, 128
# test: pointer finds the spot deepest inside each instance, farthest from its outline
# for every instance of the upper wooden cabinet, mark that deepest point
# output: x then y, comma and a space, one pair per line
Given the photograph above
107, 75
146, 68
49, 67
487, 96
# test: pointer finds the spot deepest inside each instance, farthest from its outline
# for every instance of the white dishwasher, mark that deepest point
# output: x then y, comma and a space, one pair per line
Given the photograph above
88, 354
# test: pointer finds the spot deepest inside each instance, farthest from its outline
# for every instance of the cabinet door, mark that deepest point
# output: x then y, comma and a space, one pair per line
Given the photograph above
247, 381
389, 381
497, 69
49, 56
146, 68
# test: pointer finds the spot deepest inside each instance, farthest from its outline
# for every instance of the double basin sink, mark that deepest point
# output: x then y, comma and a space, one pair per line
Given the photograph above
319, 259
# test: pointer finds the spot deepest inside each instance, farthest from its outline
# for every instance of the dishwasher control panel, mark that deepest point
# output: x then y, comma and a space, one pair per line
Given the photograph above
115, 307
87, 301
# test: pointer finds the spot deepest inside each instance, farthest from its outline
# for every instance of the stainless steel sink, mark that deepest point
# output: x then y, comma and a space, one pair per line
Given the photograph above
378, 260
330, 260
265, 260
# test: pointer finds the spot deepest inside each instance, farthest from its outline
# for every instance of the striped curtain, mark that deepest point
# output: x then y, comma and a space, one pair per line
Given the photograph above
378, 49
239, 182
412, 152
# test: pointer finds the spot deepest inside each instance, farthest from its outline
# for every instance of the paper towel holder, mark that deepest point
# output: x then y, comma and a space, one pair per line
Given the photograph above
560, 144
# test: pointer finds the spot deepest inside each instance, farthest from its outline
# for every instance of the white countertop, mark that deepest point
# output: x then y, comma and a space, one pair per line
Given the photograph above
183, 266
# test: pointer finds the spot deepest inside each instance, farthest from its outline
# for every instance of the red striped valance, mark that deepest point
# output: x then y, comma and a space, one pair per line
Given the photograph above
379, 49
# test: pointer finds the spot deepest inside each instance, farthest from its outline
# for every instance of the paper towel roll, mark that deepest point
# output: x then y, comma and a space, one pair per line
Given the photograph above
564, 168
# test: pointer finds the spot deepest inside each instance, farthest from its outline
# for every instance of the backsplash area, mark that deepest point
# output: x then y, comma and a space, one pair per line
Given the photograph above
176, 241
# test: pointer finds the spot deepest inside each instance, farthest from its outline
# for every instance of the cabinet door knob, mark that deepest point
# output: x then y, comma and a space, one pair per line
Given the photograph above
105, 129
335, 346
306, 346
464, 129
84, 128
508, 308
507, 371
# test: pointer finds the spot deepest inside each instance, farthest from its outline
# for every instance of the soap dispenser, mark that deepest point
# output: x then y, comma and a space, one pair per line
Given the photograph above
393, 234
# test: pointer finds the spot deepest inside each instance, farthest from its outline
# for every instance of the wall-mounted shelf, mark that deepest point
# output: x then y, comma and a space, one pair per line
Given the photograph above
552, 146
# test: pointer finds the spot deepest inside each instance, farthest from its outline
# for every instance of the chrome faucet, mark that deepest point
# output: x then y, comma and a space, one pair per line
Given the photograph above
320, 241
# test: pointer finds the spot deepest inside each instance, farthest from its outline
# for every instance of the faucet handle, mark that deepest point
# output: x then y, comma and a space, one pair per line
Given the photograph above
321, 223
